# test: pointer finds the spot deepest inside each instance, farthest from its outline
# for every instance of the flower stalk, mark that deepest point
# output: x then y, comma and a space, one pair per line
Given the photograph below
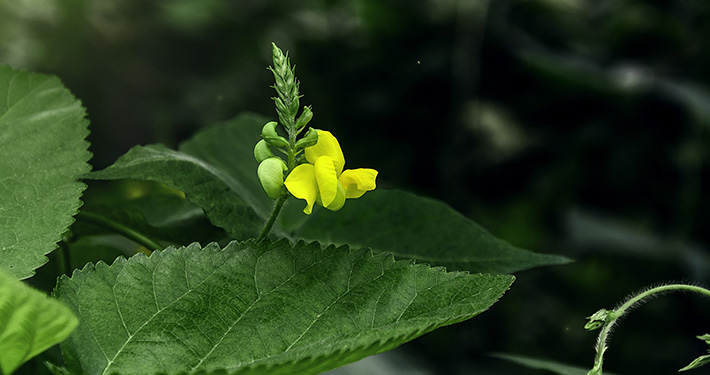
313, 169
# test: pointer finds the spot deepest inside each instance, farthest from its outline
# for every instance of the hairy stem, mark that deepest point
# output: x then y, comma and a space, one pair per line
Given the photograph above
274, 214
119, 228
614, 315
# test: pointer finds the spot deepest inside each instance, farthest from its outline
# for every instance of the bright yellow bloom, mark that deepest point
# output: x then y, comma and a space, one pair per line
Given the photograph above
323, 181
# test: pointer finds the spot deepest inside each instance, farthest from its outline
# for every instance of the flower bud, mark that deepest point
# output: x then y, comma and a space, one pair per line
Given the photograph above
305, 118
295, 104
597, 320
308, 140
268, 132
262, 151
280, 106
271, 176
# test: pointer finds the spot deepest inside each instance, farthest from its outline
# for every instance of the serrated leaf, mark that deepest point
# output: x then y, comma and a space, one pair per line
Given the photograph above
30, 322
42, 151
251, 309
216, 170
414, 227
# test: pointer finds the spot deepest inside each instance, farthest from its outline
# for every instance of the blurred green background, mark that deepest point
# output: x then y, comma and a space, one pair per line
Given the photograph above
577, 127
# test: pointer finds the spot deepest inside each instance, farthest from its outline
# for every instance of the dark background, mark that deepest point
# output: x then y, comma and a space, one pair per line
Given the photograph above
576, 127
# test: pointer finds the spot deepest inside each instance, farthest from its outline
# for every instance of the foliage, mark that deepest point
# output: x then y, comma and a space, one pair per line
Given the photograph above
283, 307
42, 151
573, 127
30, 322
267, 308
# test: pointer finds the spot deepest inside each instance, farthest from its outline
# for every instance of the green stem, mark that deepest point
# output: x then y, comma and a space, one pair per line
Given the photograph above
614, 315
118, 228
274, 214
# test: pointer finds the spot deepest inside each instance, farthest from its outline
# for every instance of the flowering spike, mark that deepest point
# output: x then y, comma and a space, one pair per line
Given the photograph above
286, 85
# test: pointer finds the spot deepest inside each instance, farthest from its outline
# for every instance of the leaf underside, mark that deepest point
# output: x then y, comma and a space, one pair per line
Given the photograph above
42, 151
217, 171
30, 322
272, 308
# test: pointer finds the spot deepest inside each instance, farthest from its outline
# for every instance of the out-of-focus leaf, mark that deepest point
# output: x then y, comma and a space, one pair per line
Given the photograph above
169, 218
216, 170
42, 151
30, 322
389, 363
543, 364
271, 308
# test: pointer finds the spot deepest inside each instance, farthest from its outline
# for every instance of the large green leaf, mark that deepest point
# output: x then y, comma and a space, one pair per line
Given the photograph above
272, 308
217, 171
414, 227
42, 151
30, 322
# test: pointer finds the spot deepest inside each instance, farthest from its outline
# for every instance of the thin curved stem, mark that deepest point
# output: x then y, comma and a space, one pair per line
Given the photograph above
274, 214
613, 316
119, 228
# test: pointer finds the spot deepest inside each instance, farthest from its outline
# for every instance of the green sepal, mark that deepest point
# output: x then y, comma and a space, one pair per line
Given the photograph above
271, 175
308, 140
272, 138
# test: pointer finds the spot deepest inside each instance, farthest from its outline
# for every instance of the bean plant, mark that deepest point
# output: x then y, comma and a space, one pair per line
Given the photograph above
258, 251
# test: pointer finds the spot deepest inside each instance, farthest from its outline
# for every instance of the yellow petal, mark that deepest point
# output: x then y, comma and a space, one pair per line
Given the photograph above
357, 181
327, 179
301, 182
339, 200
327, 146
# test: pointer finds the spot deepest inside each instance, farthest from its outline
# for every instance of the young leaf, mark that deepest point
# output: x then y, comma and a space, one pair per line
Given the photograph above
217, 171
271, 308
42, 151
419, 228
30, 322
702, 360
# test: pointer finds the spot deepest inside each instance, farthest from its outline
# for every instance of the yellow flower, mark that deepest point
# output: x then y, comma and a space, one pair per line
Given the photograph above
323, 181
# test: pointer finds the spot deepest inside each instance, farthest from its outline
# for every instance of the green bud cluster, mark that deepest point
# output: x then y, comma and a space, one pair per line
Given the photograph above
286, 85
272, 168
